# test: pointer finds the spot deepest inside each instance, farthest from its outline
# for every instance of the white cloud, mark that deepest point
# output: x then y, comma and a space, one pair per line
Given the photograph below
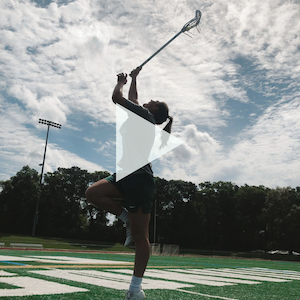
267, 31
200, 142
47, 107
188, 162
58, 157
89, 140
267, 153
59, 62
20, 146
108, 145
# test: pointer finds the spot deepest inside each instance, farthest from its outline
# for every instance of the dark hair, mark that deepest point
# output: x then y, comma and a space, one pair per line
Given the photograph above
161, 115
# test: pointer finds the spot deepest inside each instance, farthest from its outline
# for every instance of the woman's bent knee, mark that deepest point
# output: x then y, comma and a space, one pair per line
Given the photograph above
89, 194
100, 189
95, 190
92, 194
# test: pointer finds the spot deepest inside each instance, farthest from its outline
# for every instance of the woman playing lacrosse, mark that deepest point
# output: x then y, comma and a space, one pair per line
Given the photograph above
136, 190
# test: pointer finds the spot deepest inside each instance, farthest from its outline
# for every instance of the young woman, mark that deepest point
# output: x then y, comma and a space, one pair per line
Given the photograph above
136, 191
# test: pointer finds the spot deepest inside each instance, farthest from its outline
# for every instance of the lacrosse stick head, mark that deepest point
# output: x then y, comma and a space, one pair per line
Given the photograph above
192, 23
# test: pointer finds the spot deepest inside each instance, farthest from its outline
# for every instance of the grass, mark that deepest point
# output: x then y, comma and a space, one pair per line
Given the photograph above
63, 243
262, 291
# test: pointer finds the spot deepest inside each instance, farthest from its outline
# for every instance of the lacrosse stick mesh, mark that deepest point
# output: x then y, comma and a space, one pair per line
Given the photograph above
192, 23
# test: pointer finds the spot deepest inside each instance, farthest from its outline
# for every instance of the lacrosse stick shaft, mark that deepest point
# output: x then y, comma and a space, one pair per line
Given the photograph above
165, 45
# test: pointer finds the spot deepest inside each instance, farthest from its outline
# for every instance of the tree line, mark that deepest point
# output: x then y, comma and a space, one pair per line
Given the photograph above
212, 216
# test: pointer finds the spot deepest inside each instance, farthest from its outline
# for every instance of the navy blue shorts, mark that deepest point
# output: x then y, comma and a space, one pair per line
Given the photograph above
137, 190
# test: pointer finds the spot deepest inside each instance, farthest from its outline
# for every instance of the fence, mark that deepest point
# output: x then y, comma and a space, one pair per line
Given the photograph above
155, 249
170, 250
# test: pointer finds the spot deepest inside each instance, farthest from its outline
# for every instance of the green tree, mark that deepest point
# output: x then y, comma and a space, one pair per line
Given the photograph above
251, 222
63, 208
293, 228
193, 223
173, 200
219, 215
220, 210
280, 210
18, 200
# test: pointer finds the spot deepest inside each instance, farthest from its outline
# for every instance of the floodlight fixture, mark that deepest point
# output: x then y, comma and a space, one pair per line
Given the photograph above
49, 123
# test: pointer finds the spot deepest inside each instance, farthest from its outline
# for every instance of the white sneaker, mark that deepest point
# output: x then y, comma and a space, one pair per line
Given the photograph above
135, 296
128, 235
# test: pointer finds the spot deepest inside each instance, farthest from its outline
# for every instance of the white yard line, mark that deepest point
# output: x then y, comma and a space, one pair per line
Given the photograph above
274, 273
233, 274
206, 295
211, 277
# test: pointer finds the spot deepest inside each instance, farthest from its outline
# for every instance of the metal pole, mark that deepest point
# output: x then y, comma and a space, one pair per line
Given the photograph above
36, 215
154, 222
165, 45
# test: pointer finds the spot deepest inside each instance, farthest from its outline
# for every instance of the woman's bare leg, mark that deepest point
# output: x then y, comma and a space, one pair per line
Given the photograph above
103, 194
139, 223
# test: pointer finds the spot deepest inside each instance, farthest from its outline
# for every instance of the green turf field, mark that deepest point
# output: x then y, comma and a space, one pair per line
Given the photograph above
68, 275
62, 243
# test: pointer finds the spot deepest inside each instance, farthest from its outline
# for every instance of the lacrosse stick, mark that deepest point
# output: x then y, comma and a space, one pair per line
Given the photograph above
189, 25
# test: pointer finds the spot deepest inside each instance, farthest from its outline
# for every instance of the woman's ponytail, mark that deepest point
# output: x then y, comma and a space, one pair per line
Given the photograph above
165, 137
168, 127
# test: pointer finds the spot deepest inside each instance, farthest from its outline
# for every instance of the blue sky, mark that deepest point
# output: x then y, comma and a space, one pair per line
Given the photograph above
233, 89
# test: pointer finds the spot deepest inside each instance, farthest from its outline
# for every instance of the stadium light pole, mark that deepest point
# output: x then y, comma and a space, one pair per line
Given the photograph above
154, 233
36, 215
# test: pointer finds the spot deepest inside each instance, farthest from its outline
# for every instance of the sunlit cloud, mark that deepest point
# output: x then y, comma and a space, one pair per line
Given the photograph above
233, 89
